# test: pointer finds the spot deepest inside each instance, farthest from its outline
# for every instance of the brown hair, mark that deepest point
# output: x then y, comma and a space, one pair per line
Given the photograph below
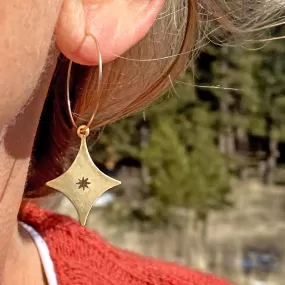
133, 81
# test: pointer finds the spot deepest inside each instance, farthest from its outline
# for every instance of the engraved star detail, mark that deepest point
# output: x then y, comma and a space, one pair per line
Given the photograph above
93, 186
83, 183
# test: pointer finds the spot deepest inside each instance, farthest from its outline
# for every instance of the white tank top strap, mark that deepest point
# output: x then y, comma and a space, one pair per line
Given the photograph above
44, 254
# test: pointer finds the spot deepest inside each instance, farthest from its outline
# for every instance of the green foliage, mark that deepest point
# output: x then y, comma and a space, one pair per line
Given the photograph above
186, 166
233, 93
269, 75
167, 159
121, 136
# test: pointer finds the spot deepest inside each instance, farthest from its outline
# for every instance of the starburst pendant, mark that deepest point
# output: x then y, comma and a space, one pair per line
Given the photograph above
83, 183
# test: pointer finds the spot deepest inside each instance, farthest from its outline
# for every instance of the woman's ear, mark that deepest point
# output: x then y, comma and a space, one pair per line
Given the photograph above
116, 24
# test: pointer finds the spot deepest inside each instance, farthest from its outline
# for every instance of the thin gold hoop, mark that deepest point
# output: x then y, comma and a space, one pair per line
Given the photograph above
85, 127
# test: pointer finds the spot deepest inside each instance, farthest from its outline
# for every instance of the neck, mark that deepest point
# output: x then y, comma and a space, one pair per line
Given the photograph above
15, 152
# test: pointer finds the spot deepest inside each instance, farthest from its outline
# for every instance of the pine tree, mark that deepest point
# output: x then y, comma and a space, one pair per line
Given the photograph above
186, 167
214, 69
231, 93
269, 75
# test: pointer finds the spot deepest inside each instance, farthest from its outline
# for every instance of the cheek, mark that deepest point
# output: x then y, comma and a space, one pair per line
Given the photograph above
26, 29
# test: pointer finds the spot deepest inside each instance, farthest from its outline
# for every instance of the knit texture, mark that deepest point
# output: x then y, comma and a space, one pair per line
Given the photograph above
82, 257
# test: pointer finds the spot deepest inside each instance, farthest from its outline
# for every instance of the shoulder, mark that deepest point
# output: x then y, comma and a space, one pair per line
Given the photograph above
81, 256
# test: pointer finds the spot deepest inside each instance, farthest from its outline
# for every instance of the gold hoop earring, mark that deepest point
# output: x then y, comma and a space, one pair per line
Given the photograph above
83, 183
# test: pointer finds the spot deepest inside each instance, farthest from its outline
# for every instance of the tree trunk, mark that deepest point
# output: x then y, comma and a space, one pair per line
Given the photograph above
145, 176
143, 136
271, 154
226, 137
242, 149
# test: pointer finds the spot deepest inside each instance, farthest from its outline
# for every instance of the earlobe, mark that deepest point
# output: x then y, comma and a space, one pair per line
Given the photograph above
117, 26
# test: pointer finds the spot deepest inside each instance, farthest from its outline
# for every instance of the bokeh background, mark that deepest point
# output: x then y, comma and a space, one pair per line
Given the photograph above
203, 169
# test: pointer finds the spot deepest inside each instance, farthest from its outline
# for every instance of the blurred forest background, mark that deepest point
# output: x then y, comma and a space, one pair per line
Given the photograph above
203, 169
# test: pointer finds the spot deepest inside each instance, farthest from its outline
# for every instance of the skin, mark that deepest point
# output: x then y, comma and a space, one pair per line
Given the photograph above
33, 33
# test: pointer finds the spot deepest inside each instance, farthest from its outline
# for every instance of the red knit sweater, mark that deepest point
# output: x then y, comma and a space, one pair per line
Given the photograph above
82, 257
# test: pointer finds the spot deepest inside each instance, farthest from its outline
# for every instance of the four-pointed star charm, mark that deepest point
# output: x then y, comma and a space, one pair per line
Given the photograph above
83, 183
